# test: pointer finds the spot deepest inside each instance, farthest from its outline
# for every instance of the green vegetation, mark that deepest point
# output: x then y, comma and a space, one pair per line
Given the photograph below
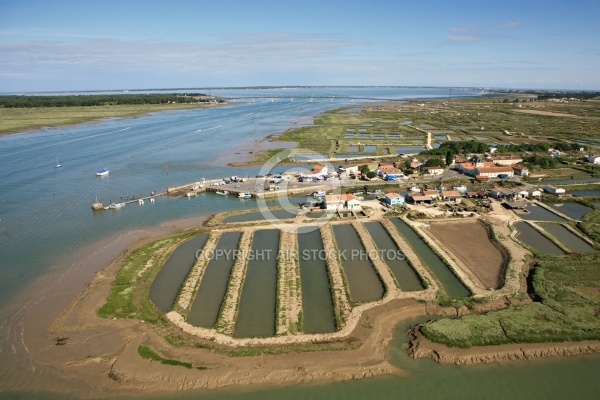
473, 124
591, 225
13, 101
149, 354
128, 297
568, 310
21, 119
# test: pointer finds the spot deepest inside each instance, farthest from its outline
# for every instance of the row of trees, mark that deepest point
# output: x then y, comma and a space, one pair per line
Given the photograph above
474, 147
14, 101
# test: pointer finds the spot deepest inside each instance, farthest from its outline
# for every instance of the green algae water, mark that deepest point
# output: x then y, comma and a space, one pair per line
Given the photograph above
170, 278
531, 237
207, 303
364, 283
256, 316
404, 273
317, 305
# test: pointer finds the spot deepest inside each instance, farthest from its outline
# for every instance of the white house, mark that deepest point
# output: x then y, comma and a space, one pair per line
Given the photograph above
534, 192
341, 201
393, 199
594, 159
318, 171
433, 170
554, 189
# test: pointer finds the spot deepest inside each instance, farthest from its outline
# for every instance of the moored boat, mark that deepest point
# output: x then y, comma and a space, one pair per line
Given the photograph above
223, 192
102, 172
245, 195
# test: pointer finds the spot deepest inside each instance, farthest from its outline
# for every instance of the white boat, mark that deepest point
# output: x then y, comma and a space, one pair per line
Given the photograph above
415, 189
223, 192
245, 195
115, 206
58, 165
461, 188
320, 193
102, 172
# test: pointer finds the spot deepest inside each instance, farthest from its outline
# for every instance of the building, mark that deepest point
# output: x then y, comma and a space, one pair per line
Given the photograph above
390, 172
393, 199
594, 159
434, 194
520, 170
433, 170
505, 160
491, 170
352, 202
417, 198
341, 201
414, 164
317, 172
554, 190
499, 194
534, 192
333, 201
451, 195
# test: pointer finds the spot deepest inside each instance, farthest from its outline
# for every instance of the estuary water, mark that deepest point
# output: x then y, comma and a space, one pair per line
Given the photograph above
48, 232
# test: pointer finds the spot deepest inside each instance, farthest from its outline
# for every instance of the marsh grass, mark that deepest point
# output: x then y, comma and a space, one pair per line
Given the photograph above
568, 311
22, 119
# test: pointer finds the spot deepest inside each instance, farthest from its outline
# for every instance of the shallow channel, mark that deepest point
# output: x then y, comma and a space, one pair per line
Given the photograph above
170, 278
405, 275
206, 305
531, 237
571, 240
317, 305
257, 312
363, 281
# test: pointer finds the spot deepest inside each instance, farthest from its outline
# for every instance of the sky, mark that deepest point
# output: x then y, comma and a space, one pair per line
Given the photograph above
61, 45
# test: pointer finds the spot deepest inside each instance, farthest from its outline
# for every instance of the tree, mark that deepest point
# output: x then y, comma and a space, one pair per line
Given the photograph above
364, 170
435, 162
449, 157
371, 174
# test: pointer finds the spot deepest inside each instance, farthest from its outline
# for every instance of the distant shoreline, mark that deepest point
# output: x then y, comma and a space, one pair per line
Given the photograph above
25, 120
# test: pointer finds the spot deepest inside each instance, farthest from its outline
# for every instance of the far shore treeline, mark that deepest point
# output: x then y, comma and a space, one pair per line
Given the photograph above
16, 101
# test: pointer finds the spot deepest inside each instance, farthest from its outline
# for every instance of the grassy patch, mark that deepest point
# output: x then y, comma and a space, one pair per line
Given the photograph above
128, 296
21, 119
568, 287
591, 225
149, 354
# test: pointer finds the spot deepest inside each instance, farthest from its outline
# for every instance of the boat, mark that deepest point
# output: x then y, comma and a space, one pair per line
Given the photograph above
58, 165
115, 206
222, 192
461, 188
97, 205
320, 193
102, 172
245, 195
415, 189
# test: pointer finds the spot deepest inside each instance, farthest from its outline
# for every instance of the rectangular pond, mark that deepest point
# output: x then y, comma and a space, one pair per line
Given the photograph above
539, 213
258, 303
364, 283
568, 238
352, 149
405, 275
370, 149
409, 150
573, 210
207, 303
167, 283
531, 237
317, 305
450, 283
